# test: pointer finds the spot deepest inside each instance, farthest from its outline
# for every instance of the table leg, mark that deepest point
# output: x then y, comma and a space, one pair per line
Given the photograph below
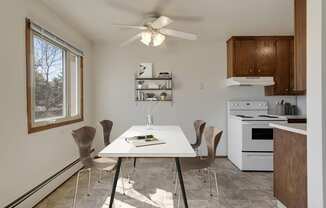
135, 159
115, 181
177, 162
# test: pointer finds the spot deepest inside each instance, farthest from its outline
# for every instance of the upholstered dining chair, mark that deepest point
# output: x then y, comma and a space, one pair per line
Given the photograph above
84, 137
199, 129
212, 138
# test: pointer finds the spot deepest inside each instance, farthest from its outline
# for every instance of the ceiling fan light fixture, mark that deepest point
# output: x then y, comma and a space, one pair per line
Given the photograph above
158, 39
146, 37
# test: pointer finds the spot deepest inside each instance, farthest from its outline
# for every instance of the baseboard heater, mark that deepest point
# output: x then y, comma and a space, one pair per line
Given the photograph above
41, 185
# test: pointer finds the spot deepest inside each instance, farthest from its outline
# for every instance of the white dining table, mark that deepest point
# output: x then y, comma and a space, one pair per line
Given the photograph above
176, 145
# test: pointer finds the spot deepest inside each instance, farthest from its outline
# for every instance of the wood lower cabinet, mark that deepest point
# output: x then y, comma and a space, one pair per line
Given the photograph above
290, 168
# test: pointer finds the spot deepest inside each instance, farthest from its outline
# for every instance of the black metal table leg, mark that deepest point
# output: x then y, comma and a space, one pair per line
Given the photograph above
177, 162
115, 181
135, 159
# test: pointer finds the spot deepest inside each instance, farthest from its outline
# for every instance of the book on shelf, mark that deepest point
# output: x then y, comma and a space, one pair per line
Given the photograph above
146, 140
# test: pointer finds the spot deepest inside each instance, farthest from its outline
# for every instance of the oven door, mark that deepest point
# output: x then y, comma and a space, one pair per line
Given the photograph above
257, 136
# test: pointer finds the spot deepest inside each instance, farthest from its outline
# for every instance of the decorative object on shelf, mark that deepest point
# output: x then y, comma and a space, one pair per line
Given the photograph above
140, 84
163, 95
164, 75
152, 85
145, 70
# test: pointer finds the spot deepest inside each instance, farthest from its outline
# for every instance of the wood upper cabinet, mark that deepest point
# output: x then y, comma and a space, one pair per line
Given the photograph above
265, 57
251, 56
244, 57
283, 68
300, 45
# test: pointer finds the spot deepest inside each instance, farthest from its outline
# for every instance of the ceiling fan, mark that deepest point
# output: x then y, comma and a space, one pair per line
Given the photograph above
154, 32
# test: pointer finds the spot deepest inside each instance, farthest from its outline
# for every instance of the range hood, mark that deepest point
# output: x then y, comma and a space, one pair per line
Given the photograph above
250, 81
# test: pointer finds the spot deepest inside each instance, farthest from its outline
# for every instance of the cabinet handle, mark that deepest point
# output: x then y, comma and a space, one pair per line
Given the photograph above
259, 70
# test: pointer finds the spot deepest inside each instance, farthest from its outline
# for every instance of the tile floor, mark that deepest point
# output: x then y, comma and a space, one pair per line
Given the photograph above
152, 186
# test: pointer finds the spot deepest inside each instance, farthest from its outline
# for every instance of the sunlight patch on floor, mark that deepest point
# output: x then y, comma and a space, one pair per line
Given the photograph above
160, 199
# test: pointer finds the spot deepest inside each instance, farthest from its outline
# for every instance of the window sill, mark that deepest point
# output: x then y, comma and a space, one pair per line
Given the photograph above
52, 125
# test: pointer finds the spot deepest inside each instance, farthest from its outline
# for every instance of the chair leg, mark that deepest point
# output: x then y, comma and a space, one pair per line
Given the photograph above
100, 176
76, 189
179, 197
210, 183
174, 170
77, 183
122, 180
215, 176
89, 182
176, 184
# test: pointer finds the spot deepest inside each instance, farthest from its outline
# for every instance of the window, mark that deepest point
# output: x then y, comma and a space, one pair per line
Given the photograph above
54, 80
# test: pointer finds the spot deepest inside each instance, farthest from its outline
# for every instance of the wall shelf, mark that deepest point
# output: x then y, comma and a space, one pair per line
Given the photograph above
147, 90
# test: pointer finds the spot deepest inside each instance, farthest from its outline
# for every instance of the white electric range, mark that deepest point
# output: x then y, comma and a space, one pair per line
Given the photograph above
250, 138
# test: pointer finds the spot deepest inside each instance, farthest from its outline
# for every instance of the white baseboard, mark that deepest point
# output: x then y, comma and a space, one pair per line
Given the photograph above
48, 188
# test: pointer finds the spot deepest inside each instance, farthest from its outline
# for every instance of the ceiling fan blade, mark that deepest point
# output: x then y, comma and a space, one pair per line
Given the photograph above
161, 22
178, 34
125, 7
130, 26
132, 39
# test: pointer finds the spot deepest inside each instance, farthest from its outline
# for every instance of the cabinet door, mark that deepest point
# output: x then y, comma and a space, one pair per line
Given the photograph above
265, 57
245, 55
283, 65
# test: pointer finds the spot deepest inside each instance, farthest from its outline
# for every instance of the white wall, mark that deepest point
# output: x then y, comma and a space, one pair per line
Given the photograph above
28, 159
316, 100
192, 63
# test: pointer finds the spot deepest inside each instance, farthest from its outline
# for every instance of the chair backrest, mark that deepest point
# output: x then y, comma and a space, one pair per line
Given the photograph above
84, 137
212, 138
107, 127
199, 128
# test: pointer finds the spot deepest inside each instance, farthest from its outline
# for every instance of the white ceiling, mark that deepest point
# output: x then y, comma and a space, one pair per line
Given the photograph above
210, 19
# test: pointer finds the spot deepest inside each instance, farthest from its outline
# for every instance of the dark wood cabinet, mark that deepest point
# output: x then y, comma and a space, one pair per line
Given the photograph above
244, 57
283, 77
300, 45
290, 168
265, 57
251, 56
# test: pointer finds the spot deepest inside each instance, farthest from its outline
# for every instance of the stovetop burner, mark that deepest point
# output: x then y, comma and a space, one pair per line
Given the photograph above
243, 116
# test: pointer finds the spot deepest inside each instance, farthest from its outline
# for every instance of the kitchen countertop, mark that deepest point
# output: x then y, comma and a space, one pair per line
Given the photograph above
292, 116
299, 128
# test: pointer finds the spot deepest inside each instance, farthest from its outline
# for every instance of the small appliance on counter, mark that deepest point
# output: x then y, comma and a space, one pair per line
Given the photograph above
282, 108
